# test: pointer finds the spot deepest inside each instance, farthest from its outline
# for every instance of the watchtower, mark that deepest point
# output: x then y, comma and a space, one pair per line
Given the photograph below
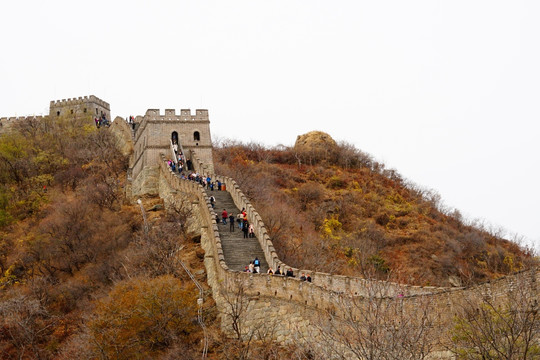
156, 133
81, 106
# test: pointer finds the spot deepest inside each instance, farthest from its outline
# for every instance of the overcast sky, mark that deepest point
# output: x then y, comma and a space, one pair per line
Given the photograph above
446, 92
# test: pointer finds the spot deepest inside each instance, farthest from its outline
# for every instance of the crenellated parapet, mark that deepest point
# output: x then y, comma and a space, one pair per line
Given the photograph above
6, 123
80, 100
171, 115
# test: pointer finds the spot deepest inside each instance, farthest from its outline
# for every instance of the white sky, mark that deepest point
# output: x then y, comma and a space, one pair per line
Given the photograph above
446, 92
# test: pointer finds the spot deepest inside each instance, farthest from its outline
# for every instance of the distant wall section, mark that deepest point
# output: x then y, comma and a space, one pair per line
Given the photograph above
90, 106
6, 123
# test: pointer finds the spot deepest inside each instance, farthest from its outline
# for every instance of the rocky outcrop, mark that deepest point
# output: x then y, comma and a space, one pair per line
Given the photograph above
314, 141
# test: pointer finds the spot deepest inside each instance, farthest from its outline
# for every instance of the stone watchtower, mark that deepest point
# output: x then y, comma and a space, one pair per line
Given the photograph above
155, 133
77, 107
81, 106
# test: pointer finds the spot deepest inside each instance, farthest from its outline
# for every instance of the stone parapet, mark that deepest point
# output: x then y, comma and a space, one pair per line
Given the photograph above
80, 100
7, 123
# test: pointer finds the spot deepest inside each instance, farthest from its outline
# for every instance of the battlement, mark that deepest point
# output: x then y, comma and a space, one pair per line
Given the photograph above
80, 100
170, 115
7, 122
20, 118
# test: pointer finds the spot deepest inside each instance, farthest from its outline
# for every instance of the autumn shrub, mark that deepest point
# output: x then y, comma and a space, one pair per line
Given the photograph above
25, 325
142, 317
310, 193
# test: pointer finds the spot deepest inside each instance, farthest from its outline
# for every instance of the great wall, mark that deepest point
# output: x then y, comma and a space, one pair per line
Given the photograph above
296, 306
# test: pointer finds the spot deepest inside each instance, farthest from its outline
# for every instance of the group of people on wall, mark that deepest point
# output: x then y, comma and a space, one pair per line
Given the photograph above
131, 121
102, 121
241, 219
254, 267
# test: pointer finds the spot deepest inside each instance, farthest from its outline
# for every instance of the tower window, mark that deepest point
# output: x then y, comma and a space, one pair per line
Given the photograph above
196, 136
174, 137
71, 111
85, 110
58, 113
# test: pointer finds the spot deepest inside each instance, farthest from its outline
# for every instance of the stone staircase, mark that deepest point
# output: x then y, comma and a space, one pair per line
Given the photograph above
238, 252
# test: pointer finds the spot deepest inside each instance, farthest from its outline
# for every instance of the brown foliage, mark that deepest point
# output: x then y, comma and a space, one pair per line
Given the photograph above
142, 317
380, 214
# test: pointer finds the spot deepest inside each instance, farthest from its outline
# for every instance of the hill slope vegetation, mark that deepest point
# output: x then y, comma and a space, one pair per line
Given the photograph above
330, 207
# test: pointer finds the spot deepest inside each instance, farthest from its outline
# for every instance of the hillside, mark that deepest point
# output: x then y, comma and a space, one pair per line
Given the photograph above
79, 276
330, 207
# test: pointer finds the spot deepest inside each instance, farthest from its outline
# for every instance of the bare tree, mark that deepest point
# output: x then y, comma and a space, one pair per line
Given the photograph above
253, 338
378, 326
502, 326
25, 324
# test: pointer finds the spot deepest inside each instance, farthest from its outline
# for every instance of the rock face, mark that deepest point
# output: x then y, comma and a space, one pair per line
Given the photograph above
314, 141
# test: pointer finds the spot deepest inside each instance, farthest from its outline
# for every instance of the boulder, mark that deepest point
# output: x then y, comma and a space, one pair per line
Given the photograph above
314, 141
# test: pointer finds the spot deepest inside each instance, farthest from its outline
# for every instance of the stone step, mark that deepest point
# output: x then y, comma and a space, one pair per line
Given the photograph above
237, 250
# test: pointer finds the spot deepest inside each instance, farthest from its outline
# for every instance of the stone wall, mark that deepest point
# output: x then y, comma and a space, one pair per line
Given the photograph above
147, 183
6, 123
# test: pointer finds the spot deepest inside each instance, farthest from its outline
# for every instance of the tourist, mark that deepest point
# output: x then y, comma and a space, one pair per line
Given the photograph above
231, 221
289, 273
303, 277
308, 278
251, 267
245, 230
212, 201
251, 231
257, 264
239, 220
278, 271
224, 216
270, 271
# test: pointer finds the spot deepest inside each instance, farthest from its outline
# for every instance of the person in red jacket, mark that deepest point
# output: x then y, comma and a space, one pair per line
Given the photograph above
224, 216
